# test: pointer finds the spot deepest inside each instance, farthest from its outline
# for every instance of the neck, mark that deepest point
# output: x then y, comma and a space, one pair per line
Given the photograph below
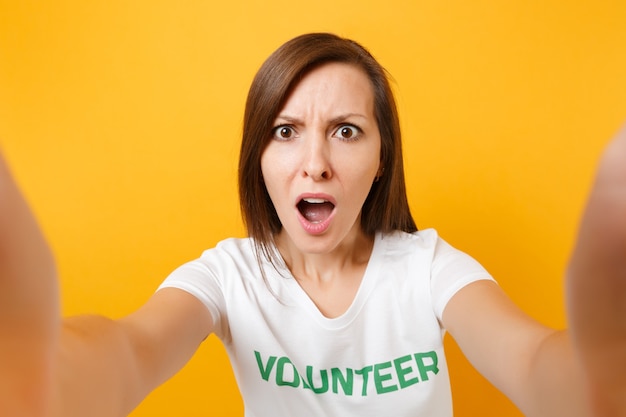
351, 254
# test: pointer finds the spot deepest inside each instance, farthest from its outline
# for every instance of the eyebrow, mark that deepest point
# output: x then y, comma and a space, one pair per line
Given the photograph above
334, 120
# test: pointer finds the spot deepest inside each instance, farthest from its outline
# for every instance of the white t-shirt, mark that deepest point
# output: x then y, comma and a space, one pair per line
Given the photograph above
383, 357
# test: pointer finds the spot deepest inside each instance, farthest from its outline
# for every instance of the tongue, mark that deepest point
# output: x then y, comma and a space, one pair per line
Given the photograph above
315, 212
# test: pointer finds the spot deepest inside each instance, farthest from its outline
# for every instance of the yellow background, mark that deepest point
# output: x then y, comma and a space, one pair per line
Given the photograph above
122, 119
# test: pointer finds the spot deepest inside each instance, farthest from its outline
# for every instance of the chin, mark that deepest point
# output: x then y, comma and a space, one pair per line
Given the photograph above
315, 245
321, 244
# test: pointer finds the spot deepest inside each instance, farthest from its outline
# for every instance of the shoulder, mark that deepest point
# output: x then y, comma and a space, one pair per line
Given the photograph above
424, 244
228, 257
398, 239
232, 246
425, 254
229, 251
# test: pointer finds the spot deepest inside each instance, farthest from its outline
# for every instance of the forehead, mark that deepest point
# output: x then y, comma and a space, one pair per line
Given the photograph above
332, 87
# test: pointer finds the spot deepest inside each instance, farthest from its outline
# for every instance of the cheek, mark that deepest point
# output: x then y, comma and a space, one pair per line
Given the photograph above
363, 167
268, 167
278, 162
358, 185
364, 178
273, 172
272, 160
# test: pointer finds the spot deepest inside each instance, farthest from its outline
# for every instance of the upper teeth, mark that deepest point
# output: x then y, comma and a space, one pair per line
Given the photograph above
314, 200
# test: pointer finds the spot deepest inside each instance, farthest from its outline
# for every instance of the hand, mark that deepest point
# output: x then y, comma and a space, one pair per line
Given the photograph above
597, 285
29, 317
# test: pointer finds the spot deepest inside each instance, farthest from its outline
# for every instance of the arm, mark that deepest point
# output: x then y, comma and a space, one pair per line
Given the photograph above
559, 373
83, 366
533, 365
107, 367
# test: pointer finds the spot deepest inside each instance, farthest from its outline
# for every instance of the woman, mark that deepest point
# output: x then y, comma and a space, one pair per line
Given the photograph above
336, 304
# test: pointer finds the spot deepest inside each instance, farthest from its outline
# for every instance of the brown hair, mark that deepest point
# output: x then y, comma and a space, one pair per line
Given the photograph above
385, 208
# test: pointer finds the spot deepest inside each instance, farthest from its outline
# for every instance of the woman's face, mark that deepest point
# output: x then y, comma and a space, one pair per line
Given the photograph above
323, 157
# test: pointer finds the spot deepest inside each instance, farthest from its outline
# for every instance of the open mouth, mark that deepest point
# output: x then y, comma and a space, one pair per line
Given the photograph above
315, 210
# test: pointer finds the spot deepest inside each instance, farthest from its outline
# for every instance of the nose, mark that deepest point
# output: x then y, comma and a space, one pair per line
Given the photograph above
316, 158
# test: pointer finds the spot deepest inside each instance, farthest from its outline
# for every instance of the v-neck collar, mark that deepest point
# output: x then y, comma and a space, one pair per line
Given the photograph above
300, 298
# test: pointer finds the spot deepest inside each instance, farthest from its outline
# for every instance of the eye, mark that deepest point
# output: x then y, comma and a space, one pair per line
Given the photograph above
283, 132
348, 132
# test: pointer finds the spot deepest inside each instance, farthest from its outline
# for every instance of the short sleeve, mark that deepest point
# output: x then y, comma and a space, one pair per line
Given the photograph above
198, 279
452, 270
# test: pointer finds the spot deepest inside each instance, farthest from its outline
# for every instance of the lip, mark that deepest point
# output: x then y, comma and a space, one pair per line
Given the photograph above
315, 228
